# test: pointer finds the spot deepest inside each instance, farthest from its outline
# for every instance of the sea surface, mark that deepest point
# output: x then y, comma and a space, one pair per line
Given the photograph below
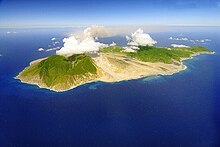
177, 110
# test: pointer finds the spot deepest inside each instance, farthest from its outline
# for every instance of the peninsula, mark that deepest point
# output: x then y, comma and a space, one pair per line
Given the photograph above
110, 64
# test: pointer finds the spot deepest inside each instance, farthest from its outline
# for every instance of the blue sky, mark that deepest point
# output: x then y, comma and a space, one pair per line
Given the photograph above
34, 13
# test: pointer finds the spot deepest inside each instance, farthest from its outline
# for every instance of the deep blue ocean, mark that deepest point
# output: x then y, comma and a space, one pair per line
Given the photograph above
178, 110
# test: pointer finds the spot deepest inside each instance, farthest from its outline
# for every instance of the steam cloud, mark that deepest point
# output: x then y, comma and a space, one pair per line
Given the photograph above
85, 42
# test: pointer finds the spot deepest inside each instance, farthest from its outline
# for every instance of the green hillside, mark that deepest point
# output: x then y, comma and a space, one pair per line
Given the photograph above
157, 54
112, 49
165, 55
57, 69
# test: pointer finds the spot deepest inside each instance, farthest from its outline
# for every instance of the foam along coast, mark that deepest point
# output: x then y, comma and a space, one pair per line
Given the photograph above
111, 64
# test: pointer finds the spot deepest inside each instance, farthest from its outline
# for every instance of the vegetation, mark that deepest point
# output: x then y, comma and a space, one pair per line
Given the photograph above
31, 70
112, 49
165, 55
157, 54
56, 69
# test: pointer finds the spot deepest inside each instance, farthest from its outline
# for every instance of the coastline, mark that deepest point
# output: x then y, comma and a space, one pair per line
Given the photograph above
107, 79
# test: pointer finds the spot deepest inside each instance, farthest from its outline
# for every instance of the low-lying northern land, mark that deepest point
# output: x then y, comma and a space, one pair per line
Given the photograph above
111, 64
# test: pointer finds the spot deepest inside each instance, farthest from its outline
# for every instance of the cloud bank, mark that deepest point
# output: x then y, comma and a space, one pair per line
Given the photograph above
82, 43
140, 38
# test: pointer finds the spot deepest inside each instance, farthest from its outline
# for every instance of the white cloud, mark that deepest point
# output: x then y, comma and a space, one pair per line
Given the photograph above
193, 41
127, 38
41, 49
53, 39
0, 55
140, 38
11, 32
82, 43
190, 40
113, 44
52, 49
179, 45
128, 49
202, 40
55, 43
134, 47
207, 40
183, 38
47, 50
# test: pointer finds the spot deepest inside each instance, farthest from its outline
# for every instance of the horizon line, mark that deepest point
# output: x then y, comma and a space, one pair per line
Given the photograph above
113, 25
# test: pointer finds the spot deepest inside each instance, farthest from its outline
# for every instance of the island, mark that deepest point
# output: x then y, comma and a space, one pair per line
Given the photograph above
110, 64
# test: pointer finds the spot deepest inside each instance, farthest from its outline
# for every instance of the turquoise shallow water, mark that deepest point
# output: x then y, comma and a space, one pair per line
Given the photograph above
177, 110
